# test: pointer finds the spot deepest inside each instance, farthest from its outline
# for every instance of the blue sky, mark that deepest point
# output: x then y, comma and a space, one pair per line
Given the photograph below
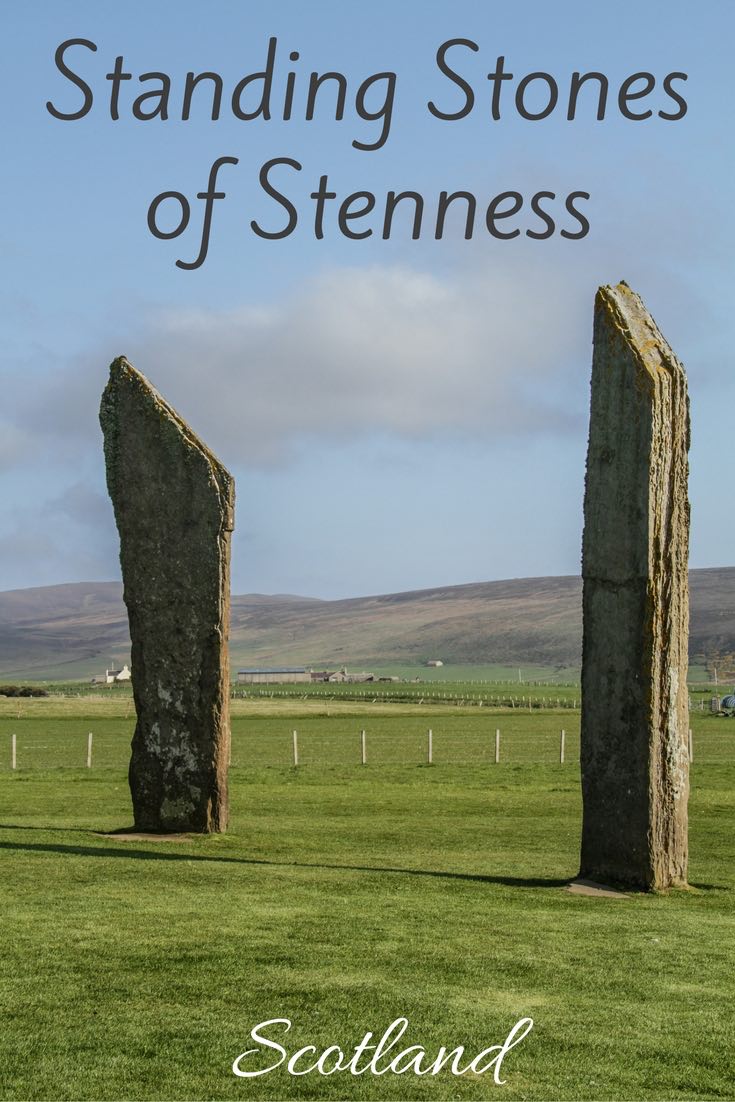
397, 413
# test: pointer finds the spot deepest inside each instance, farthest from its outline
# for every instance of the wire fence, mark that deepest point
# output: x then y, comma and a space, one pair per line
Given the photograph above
319, 742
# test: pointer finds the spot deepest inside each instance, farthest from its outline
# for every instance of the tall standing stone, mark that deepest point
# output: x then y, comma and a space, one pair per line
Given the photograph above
635, 765
174, 507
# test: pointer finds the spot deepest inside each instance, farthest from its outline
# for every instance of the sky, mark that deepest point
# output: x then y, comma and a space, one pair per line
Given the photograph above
398, 413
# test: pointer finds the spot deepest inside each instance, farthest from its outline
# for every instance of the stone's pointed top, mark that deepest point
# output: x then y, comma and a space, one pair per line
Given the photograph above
124, 375
121, 368
122, 363
624, 309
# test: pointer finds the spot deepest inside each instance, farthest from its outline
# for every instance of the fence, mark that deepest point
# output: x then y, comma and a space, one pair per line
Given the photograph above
406, 694
316, 743
423, 695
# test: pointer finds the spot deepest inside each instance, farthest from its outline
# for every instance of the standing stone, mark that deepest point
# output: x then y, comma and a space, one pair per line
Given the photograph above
635, 765
174, 507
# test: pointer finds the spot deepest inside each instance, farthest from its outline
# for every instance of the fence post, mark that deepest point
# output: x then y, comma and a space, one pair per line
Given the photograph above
691, 746
431, 747
363, 747
497, 747
561, 747
295, 748
12, 752
89, 750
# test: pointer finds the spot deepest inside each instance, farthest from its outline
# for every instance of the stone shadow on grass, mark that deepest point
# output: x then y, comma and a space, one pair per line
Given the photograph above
153, 855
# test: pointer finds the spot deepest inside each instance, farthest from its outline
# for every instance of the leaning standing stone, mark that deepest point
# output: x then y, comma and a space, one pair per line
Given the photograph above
174, 507
635, 766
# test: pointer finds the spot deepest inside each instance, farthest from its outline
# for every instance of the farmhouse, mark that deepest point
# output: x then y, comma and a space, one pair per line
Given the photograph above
111, 676
350, 678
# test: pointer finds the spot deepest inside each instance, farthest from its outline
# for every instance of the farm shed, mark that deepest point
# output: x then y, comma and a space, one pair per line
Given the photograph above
285, 675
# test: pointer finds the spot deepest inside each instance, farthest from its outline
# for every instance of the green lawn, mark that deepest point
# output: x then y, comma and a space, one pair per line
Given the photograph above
342, 898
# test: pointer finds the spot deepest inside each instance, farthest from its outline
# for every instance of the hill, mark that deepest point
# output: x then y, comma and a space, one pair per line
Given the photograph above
75, 630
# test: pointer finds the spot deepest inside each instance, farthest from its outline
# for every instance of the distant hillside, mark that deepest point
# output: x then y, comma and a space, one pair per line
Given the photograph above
76, 630
62, 630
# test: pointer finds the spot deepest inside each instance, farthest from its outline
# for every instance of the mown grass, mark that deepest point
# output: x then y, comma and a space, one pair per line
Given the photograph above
344, 897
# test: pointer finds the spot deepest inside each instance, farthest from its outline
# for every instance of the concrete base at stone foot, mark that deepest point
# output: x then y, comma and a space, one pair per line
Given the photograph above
174, 507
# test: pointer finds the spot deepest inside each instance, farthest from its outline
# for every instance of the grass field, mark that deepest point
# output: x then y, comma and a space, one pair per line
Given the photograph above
52, 732
448, 689
344, 897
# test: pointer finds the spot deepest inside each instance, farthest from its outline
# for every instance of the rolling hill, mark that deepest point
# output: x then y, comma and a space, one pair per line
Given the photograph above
75, 630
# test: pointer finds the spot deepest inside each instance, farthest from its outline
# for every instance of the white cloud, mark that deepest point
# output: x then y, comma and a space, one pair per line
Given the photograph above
384, 349
387, 351
496, 354
371, 350
495, 348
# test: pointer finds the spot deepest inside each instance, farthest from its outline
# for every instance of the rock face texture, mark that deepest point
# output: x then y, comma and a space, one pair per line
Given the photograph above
635, 765
174, 507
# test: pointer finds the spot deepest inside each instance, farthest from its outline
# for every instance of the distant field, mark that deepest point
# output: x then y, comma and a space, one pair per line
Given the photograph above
462, 693
53, 732
450, 673
494, 683
456, 672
